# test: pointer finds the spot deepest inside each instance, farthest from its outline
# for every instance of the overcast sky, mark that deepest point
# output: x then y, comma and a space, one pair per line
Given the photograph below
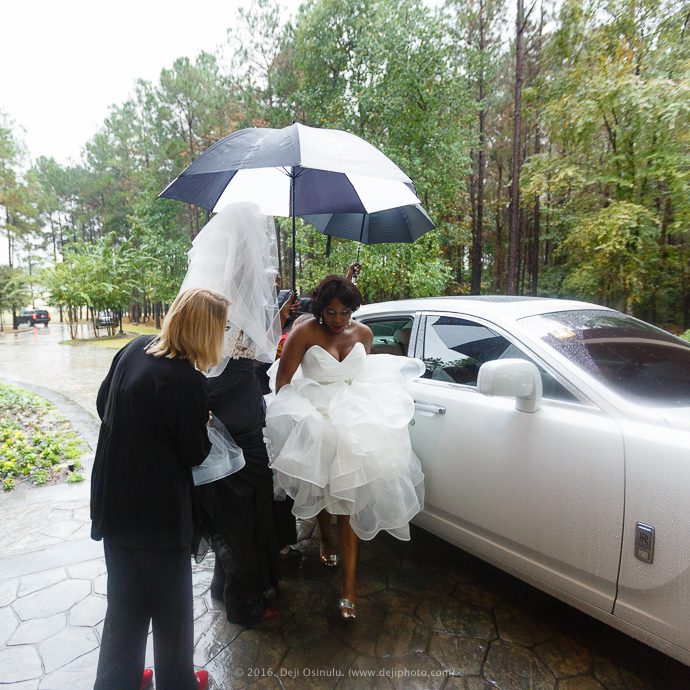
64, 62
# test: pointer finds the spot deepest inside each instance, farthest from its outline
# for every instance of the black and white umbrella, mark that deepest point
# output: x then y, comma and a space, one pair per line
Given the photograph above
294, 171
399, 224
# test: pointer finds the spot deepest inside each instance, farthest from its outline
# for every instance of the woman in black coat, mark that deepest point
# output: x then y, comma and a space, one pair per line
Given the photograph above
247, 527
154, 408
235, 255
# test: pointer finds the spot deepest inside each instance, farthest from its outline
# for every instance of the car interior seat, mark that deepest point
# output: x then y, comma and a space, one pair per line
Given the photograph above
387, 345
402, 336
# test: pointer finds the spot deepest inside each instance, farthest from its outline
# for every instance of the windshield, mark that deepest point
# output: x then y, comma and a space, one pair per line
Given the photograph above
632, 357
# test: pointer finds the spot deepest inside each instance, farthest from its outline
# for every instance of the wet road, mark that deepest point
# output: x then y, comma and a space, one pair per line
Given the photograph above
36, 356
430, 615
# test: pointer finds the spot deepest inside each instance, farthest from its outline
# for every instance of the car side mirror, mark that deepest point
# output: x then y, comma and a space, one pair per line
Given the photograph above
516, 378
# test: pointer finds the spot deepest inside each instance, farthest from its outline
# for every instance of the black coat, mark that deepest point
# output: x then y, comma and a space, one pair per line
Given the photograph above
154, 412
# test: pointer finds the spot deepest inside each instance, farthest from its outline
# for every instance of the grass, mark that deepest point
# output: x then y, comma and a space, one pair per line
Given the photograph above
117, 341
113, 342
37, 445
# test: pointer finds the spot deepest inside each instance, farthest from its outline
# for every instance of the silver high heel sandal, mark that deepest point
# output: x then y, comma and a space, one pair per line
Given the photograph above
347, 609
330, 560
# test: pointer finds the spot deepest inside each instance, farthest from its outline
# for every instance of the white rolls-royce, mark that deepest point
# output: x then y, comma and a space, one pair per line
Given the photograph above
555, 441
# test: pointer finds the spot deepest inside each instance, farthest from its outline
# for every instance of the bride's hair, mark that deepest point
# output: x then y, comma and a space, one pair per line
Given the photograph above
335, 287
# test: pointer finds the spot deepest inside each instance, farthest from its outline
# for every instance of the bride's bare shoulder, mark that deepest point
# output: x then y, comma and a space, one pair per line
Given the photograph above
363, 333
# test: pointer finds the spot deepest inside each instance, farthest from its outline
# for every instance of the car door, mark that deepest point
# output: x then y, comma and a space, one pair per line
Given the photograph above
539, 494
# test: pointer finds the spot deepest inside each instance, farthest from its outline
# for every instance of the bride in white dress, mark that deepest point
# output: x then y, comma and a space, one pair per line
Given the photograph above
336, 429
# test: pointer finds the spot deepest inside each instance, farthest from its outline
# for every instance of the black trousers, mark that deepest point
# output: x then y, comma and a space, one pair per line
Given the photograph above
147, 585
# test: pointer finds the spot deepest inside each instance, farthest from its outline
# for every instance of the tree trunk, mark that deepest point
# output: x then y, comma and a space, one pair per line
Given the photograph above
471, 185
8, 223
514, 225
499, 260
536, 233
522, 256
534, 253
478, 227
460, 262
157, 314
53, 237
135, 311
686, 301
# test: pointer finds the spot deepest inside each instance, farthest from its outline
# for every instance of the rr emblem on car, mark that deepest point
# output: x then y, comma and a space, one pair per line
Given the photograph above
644, 542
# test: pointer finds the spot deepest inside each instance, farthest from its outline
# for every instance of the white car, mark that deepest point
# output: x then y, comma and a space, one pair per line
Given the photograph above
555, 441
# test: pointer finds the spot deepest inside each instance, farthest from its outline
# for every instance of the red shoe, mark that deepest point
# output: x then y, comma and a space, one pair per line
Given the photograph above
269, 613
202, 678
146, 679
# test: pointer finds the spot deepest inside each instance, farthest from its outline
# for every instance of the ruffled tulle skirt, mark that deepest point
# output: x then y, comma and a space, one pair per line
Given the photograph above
344, 446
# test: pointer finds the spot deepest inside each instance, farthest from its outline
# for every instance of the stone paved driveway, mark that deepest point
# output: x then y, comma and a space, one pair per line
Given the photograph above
430, 615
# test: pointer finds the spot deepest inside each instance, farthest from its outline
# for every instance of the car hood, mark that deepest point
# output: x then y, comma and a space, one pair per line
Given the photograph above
675, 417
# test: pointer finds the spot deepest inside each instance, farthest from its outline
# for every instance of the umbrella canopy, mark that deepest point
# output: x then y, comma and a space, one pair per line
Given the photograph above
294, 171
400, 224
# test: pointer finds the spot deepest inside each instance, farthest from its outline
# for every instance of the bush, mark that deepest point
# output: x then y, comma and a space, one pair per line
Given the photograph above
35, 442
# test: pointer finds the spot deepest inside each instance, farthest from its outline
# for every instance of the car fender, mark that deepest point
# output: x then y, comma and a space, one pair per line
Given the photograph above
657, 495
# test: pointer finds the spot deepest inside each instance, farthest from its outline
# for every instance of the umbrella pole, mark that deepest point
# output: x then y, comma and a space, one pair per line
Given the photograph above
361, 235
294, 233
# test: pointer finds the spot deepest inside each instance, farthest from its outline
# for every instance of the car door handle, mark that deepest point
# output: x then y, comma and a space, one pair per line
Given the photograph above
431, 408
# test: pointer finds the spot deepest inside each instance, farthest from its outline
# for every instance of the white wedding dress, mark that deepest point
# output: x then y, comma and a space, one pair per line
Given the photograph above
338, 439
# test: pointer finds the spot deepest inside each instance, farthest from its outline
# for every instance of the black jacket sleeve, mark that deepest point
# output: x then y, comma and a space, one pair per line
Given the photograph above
104, 388
191, 418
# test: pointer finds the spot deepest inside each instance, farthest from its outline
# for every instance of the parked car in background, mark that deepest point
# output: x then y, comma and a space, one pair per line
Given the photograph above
33, 317
554, 437
105, 319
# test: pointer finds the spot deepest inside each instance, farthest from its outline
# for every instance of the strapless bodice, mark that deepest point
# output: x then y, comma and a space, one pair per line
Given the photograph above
320, 365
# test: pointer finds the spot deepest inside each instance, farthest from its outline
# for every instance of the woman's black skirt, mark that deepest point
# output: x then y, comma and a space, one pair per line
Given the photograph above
238, 510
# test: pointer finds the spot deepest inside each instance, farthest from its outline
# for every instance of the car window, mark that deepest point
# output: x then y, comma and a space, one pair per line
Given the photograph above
633, 358
391, 335
455, 348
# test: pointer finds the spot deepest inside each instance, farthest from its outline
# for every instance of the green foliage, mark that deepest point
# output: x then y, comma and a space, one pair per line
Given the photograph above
99, 275
397, 92
390, 271
160, 250
31, 449
19, 213
606, 142
14, 288
610, 253
614, 179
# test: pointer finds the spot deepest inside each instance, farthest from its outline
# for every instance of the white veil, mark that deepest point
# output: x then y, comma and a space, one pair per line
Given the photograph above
235, 254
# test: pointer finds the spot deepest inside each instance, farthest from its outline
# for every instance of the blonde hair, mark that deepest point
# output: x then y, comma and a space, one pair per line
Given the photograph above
193, 328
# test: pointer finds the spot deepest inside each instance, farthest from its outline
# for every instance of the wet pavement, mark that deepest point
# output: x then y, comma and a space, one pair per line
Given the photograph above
429, 615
